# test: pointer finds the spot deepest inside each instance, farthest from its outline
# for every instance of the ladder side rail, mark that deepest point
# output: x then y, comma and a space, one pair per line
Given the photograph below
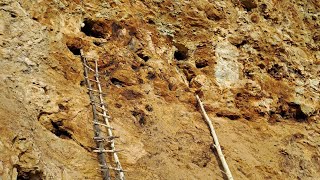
106, 119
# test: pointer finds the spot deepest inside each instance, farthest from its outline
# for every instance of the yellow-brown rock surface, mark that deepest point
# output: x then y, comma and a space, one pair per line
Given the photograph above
255, 63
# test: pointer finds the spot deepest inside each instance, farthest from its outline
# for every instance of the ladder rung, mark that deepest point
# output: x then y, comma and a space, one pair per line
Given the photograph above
100, 139
98, 103
103, 125
103, 140
106, 150
117, 169
96, 75
100, 151
100, 114
103, 167
93, 90
102, 108
91, 79
88, 67
112, 137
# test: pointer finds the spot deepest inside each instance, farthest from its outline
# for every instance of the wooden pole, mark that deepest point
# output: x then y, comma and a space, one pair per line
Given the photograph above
215, 140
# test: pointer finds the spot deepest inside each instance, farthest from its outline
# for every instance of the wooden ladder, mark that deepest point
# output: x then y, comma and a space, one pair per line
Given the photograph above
105, 141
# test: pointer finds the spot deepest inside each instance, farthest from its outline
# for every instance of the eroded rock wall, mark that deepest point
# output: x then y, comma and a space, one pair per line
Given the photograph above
255, 65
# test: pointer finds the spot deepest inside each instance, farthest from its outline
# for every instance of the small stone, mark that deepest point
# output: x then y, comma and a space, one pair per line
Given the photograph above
307, 110
255, 18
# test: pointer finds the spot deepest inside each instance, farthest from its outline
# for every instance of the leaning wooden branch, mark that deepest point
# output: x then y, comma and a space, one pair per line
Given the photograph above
216, 141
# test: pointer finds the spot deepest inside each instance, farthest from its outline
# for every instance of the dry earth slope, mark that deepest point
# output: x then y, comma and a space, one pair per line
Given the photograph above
256, 66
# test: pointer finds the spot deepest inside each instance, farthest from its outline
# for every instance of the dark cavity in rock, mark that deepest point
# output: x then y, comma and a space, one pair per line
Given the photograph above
149, 108
94, 28
117, 82
249, 4
116, 29
144, 57
181, 53
59, 130
74, 49
131, 94
27, 174
140, 116
201, 63
229, 116
151, 75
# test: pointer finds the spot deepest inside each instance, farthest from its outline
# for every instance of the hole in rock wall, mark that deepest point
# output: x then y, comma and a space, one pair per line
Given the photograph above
144, 57
97, 43
263, 9
117, 82
59, 130
276, 71
150, 21
140, 81
62, 107
151, 75
149, 108
131, 94
242, 43
248, 4
134, 67
13, 15
292, 110
229, 116
117, 105
29, 174
181, 53
261, 66
94, 28
140, 116
116, 28
188, 71
201, 63
74, 49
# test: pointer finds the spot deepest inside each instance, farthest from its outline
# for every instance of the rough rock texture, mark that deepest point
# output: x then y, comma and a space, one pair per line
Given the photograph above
255, 63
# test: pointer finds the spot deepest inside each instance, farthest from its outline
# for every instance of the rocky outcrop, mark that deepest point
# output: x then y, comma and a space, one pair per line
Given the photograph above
255, 65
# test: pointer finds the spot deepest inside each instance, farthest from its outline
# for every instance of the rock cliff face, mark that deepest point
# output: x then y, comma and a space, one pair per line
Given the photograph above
255, 64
